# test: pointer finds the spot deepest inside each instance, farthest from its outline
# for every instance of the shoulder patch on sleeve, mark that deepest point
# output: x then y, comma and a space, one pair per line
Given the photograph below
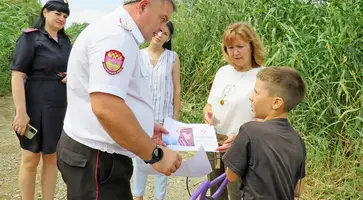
113, 61
29, 30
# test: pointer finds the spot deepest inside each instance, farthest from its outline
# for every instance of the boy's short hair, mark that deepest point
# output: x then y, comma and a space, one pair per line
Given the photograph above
284, 82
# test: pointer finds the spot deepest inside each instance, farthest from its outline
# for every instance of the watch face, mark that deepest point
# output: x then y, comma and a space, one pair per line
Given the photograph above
156, 152
157, 155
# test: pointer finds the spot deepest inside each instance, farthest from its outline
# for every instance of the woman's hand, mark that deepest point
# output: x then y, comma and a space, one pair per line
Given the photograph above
21, 122
208, 117
208, 114
225, 146
21, 117
64, 80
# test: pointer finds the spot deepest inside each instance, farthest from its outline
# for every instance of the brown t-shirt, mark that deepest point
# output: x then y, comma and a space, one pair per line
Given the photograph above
269, 157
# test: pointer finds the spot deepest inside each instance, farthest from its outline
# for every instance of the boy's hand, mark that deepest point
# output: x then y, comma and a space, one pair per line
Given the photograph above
227, 143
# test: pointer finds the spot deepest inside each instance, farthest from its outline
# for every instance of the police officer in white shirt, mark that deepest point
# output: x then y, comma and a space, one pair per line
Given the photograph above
109, 116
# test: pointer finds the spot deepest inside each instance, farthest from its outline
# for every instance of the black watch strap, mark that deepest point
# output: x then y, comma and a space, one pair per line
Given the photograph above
157, 155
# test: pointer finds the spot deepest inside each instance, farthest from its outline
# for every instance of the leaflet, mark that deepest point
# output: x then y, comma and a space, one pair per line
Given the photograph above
189, 137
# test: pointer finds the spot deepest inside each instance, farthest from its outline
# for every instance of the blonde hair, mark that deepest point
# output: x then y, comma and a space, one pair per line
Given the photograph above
284, 82
247, 32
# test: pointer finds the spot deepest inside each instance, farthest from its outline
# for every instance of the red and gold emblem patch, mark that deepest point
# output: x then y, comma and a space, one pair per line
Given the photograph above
113, 62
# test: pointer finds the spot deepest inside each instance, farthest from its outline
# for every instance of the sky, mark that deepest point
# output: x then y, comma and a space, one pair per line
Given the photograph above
89, 10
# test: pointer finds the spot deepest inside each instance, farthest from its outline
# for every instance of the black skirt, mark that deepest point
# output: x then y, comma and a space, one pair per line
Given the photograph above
46, 104
48, 120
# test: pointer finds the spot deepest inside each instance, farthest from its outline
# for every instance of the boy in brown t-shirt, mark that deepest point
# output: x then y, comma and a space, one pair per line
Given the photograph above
269, 156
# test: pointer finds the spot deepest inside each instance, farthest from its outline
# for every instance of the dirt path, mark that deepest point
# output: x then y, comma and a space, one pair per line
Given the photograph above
10, 159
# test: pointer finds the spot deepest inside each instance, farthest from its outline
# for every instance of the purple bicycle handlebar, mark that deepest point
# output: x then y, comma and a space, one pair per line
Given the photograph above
204, 187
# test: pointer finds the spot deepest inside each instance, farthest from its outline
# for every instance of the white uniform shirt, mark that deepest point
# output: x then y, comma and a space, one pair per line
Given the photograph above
161, 84
228, 118
106, 58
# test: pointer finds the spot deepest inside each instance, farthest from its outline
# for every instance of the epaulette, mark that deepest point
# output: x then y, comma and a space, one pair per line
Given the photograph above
125, 25
29, 30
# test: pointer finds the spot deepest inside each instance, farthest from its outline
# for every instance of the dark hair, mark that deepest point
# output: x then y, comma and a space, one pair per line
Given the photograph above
167, 45
52, 6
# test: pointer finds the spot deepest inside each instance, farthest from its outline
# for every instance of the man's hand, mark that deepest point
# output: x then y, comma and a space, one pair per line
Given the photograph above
227, 143
170, 162
159, 130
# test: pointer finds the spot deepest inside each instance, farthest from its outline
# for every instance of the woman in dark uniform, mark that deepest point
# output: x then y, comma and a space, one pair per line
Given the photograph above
39, 93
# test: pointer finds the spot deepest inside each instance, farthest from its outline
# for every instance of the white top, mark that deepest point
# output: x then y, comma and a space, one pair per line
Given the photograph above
94, 66
236, 88
161, 84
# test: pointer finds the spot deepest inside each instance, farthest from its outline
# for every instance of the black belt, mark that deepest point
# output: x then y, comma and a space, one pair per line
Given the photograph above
43, 78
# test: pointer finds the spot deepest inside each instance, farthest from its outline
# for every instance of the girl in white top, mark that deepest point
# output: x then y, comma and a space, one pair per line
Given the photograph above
228, 105
164, 73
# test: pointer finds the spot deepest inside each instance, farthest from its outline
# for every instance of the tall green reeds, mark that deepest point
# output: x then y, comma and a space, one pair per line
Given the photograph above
15, 16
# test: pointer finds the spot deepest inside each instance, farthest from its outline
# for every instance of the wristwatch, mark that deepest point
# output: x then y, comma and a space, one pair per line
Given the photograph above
157, 155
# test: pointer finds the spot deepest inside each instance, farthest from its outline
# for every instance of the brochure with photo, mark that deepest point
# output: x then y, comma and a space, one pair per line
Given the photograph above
189, 137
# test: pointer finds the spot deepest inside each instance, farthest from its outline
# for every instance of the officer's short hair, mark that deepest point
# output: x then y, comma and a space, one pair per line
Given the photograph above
134, 1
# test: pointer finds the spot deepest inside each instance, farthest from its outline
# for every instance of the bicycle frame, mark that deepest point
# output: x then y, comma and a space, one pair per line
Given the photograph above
206, 185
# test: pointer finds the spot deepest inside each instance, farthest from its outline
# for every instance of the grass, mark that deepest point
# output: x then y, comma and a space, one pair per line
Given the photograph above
323, 41
15, 16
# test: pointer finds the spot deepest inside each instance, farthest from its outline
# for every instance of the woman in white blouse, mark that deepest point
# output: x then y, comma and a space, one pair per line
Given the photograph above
164, 68
228, 106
